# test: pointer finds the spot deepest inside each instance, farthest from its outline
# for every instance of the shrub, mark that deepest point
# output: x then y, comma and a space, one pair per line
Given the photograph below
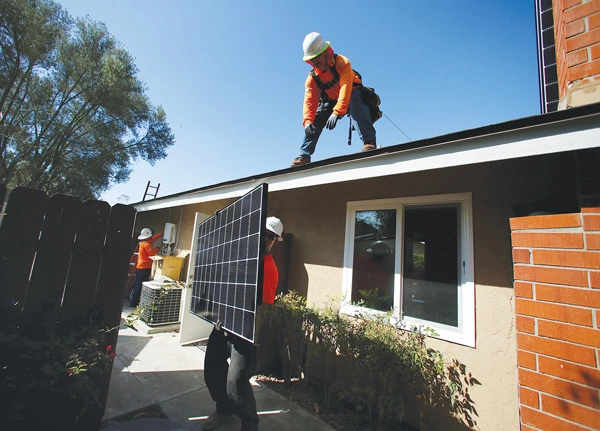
365, 361
52, 377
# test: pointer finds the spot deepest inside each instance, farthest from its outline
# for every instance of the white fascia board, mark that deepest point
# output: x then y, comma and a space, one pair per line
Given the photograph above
503, 146
230, 191
574, 134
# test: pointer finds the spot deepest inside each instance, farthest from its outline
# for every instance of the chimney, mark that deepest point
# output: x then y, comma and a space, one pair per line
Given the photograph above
577, 39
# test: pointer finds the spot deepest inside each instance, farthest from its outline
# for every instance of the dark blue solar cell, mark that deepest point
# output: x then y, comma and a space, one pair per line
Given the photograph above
227, 256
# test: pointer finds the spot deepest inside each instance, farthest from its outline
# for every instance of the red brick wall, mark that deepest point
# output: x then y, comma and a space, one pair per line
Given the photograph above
556, 262
577, 38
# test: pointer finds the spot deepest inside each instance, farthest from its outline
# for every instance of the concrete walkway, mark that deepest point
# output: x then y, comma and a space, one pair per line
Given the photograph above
154, 370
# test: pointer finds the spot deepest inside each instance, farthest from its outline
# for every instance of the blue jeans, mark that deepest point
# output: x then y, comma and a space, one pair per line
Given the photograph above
141, 275
229, 384
359, 115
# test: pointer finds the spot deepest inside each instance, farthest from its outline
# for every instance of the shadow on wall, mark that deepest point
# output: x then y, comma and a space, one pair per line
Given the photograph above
281, 254
300, 284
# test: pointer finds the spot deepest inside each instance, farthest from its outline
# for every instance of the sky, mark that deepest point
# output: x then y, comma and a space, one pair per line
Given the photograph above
230, 76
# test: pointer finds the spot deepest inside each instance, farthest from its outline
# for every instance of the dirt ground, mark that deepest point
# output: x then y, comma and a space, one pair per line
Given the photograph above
311, 399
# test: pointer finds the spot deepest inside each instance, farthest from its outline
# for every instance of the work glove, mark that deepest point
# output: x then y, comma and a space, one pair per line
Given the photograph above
219, 326
331, 122
309, 129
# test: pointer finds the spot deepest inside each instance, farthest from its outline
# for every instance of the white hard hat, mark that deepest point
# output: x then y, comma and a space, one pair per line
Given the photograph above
275, 226
145, 233
313, 45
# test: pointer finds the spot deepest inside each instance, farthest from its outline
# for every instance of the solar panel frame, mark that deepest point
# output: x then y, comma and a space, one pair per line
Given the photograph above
228, 264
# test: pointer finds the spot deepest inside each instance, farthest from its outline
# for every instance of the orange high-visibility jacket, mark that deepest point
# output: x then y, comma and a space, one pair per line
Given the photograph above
342, 91
144, 253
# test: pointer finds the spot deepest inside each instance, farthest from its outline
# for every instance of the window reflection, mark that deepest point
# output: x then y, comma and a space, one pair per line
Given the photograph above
374, 257
431, 264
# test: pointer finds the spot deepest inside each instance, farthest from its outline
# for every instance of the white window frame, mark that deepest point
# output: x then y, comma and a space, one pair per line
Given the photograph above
464, 333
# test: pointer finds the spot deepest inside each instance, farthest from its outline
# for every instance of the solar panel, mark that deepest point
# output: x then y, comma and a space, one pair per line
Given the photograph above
546, 56
228, 268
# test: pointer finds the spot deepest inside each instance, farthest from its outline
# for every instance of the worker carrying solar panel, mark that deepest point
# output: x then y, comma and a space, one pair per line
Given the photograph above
229, 384
332, 90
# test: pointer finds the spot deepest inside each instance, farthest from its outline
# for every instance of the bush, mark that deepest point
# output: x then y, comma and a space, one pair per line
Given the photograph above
377, 368
52, 377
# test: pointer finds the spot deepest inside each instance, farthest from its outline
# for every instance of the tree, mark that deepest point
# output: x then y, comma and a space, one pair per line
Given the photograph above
74, 114
381, 223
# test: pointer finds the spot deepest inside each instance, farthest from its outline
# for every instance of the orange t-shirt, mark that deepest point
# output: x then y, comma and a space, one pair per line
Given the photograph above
270, 280
144, 252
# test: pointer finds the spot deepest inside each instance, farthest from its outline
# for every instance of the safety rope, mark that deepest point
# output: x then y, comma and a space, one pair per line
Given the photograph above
396, 126
350, 129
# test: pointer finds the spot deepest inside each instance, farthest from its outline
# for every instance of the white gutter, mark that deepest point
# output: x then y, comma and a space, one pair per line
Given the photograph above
568, 135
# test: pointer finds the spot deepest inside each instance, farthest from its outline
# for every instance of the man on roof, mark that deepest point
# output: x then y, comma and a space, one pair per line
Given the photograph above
329, 95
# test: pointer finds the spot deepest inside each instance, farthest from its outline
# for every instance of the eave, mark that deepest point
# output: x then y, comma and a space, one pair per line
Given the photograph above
556, 132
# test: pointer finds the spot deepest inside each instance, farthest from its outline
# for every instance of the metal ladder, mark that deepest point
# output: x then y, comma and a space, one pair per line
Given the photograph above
146, 193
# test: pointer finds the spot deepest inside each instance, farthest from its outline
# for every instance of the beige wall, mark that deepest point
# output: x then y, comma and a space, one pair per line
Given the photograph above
494, 361
183, 217
316, 217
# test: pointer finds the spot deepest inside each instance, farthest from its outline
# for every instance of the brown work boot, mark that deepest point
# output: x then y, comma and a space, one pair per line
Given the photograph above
300, 160
368, 146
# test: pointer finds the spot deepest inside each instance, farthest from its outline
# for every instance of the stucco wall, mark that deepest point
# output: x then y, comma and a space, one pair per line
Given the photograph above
316, 217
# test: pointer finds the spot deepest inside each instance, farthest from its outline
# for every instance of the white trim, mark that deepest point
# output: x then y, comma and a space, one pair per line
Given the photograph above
465, 332
193, 328
562, 136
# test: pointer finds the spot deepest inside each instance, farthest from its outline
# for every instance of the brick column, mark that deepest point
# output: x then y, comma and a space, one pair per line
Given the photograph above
557, 302
577, 38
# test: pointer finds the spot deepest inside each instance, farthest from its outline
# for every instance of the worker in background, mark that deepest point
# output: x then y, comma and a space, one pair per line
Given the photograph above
143, 266
328, 96
229, 384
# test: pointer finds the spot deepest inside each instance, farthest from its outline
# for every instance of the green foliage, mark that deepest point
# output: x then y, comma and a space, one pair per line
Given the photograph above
375, 299
382, 223
51, 377
378, 368
418, 269
145, 311
287, 319
75, 115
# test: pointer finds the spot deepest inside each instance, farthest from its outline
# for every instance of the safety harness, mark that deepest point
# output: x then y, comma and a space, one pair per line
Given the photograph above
336, 78
368, 94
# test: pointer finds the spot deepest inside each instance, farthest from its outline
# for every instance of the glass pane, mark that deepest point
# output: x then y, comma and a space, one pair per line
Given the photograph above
430, 267
374, 257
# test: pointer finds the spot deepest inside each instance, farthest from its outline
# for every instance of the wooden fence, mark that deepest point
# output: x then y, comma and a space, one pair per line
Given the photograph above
64, 261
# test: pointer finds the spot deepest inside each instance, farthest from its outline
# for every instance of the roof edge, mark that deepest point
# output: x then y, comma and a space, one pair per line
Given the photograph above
493, 129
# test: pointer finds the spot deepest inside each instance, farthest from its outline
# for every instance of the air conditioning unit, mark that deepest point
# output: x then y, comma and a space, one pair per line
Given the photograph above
160, 303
